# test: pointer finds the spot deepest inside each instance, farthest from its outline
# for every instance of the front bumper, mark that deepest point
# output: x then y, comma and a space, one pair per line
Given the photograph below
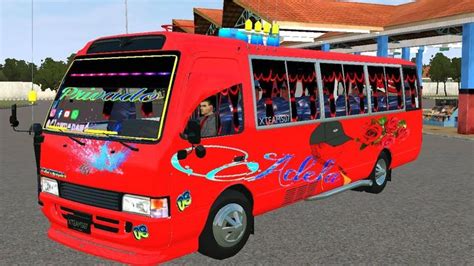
110, 235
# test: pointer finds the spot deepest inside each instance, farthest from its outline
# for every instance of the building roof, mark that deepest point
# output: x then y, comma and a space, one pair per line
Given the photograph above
320, 12
344, 18
338, 18
183, 25
339, 13
212, 15
421, 10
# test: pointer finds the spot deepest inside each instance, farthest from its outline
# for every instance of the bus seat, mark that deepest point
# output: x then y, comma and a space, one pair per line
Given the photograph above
341, 106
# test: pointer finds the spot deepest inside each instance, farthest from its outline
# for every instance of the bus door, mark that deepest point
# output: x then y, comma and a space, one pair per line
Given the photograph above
214, 97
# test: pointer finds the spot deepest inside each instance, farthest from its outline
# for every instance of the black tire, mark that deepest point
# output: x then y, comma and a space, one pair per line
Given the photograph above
209, 241
378, 184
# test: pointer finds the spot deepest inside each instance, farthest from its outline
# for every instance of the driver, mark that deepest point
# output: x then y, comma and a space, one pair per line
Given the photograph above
208, 120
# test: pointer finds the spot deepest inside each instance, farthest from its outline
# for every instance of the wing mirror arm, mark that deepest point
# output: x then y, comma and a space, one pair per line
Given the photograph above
192, 133
14, 122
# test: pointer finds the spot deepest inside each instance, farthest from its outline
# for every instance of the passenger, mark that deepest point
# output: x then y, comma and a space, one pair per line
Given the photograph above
208, 120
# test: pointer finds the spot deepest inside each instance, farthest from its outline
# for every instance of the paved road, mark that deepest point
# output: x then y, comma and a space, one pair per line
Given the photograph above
425, 215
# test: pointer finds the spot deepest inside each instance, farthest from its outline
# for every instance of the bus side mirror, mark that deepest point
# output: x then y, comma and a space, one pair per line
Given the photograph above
182, 154
13, 119
193, 132
200, 151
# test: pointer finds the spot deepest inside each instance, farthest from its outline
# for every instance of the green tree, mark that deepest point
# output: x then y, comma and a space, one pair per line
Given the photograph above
2, 76
70, 59
50, 73
440, 70
456, 70
17, 70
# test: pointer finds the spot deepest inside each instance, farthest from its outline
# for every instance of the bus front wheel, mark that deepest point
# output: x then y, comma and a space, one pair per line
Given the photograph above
228, 226
380, 174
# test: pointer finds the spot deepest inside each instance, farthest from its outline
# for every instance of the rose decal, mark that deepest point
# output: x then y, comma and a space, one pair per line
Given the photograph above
402, 133
384, 132
372, 133
392, 125
387, 141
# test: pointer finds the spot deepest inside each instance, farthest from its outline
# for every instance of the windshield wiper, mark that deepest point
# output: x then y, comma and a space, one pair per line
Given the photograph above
128, 146
67, 135
111, 135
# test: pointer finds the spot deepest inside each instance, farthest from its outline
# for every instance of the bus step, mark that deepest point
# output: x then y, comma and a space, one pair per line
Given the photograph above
327, 194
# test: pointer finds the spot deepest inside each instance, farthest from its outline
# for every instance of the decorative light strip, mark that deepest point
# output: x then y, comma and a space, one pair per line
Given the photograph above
121, 74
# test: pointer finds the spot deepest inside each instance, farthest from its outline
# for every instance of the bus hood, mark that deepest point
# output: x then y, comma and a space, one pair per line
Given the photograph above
101, 164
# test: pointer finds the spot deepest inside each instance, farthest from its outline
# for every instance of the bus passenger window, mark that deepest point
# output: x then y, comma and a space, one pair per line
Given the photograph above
411, 88
271, 91
356, 90
304, 96
378, 89
334, 91
394, 85
221, 114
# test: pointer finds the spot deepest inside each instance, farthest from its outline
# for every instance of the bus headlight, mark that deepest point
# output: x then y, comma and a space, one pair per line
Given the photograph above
156, 208
49, 185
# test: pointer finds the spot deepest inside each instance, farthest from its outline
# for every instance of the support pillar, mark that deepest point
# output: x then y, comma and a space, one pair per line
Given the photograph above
406, 53
325, 47
466, 92
382, 46
419, 64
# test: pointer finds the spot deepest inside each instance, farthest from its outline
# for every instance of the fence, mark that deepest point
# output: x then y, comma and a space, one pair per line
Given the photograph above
15, 91
429, 89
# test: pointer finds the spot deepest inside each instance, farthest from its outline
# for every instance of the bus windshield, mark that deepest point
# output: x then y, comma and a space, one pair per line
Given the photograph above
123, 97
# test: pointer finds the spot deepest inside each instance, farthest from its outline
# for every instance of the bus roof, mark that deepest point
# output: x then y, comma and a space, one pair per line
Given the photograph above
174, 40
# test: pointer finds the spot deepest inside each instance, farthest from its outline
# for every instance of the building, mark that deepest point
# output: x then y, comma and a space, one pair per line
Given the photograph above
352, 27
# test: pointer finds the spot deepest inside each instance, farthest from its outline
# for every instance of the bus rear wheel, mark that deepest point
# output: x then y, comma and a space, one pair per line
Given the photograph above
228, 226
380, 174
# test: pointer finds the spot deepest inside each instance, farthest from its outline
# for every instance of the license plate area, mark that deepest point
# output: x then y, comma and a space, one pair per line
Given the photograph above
80, 222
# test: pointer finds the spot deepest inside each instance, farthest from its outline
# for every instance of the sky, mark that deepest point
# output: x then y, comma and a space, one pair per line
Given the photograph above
62, 27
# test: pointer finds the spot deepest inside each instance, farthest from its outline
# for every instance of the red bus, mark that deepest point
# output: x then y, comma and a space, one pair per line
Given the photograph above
161, 144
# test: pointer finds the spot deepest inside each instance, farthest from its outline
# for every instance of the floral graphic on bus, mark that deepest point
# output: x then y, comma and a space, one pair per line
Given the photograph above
140, 232
184, 200
383, 132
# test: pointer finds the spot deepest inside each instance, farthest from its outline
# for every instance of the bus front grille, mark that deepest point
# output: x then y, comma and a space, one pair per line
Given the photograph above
91, 196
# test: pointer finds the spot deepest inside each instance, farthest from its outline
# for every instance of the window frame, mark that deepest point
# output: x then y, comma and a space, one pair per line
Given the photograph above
317, 84
417, 87
272, 58
402, 87
343, 88
317, 63
364, 68
100, 56
243, 111
385, 86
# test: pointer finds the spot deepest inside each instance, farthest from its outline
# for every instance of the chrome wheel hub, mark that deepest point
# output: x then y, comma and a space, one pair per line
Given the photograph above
380, 172
229, 225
